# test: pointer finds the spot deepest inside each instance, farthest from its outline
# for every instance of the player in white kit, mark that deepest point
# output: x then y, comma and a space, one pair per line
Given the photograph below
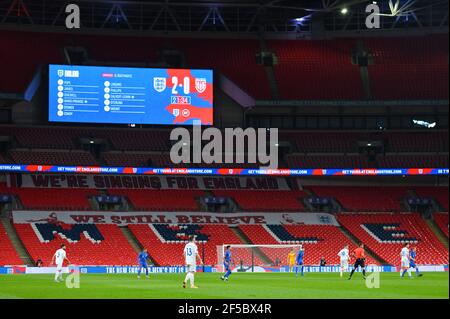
404, 254
58, 258
191, 255
344, 255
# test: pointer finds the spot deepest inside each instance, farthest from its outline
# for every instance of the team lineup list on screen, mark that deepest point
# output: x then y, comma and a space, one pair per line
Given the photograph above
117, 95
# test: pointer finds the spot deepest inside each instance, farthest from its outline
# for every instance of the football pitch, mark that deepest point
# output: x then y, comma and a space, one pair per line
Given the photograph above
240, 286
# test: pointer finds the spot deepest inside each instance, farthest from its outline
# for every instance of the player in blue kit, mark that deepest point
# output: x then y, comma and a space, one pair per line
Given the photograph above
227, 263
412, 261
300, 256
142, 259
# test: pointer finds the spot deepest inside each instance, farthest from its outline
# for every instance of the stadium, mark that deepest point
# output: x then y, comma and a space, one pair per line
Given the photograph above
298, 149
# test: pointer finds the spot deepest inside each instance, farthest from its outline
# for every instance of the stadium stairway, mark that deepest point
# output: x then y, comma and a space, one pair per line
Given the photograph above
245, 240
356, 242
134, 242
16, 242
364, 72
437, 231
270, 71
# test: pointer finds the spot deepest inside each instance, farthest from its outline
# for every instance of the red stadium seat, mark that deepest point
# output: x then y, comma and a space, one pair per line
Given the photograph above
440, 194
113, 250
373, 199
272, 201
429, 249
53, 157
442, 221
172, 253
303, 64
162, 200
422, 70
331, 241
8, 255
54, 198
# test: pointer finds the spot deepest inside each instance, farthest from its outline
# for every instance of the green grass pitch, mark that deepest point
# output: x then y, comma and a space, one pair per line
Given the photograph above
241, 285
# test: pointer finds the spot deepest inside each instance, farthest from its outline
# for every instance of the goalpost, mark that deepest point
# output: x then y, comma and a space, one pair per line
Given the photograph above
251, 258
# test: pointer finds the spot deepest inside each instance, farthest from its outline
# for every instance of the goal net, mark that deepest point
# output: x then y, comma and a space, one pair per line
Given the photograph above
256, 258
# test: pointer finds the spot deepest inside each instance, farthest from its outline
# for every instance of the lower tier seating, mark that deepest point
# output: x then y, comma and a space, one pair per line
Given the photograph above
87, 244
386, 234
165, 243
8, 255
318, 241
442, 221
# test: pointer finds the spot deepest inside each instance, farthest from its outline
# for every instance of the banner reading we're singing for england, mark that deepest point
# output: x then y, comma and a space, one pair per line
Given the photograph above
149, 182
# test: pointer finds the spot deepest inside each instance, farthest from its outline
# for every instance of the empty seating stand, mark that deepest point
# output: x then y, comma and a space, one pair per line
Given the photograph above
441, 220
40, 157
170, 252
303, 64
54, 198
272, 201
404, 70
319, 241
440, 194
386, 234
327, 161
238, 64
87, 244
162, 200
412, 161
8, 255
364, 199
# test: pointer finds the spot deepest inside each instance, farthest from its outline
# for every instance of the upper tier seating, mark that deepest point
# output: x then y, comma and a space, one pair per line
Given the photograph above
305, 64
412, 161
37, 157
401, 70
162, 200
417, 142
233, 58
128, 159
374, 199
327, 161
8, 255
140, 141
405, 70
272, 201
347, 142
3, 160
87, 244
30, 50
386, 233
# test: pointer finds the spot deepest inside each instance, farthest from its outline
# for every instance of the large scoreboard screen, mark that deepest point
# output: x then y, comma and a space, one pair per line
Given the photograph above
117, 95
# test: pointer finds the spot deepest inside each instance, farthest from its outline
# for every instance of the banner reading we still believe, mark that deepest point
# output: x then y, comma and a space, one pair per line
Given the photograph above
125, 218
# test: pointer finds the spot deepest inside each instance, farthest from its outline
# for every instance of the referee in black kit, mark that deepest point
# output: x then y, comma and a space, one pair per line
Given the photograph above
360, 256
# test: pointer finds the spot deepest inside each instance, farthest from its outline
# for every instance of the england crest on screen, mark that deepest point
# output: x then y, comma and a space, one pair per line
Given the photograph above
159, 84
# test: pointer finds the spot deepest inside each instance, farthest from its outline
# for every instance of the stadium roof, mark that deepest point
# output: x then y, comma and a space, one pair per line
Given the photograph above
238, 16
